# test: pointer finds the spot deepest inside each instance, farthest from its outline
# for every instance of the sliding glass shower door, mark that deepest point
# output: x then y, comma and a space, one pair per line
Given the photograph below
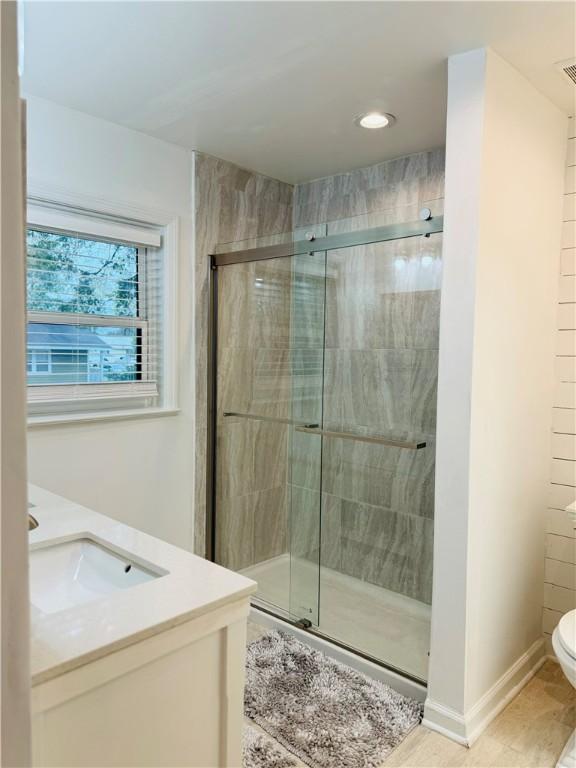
270, 331
380, 376
325, 425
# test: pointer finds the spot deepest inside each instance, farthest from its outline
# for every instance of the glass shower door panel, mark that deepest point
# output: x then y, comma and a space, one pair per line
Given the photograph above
305, 449
261, 367
381, 362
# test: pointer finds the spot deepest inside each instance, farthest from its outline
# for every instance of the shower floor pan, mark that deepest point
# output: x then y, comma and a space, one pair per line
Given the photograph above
385, 625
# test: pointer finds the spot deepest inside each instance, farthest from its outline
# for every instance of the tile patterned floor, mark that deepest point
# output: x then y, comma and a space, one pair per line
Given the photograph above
529, 733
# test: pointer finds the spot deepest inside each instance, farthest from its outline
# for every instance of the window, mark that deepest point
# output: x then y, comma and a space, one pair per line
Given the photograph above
38, 361
94, 330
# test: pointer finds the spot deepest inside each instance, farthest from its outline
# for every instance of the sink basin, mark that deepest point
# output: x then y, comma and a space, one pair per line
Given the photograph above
70, 573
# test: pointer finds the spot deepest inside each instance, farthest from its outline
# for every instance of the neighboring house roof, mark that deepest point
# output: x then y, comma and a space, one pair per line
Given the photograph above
70, 337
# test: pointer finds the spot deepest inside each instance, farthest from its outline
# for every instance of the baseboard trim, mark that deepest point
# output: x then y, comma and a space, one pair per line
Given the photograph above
466, 728
504, 690
445, 721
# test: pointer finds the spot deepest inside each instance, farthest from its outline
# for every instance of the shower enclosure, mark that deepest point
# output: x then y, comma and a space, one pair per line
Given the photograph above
324, 360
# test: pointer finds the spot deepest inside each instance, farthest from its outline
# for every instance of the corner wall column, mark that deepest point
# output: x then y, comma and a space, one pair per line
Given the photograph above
504, 176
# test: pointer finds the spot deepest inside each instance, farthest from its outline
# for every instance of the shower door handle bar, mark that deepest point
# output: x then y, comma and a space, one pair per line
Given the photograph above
273, 419
412, 445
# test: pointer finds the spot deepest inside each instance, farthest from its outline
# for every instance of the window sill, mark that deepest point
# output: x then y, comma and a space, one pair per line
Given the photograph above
75, 418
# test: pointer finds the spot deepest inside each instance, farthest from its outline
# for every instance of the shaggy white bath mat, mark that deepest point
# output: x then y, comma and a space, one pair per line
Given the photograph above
259, 751
325, 713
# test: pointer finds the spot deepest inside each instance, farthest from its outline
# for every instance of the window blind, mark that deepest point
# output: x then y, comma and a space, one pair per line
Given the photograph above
101, 227
94, 320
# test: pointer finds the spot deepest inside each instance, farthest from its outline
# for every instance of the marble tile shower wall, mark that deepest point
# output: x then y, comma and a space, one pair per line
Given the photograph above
230, 204
380, 308
380, 366
254, 377
270, 330
387, 187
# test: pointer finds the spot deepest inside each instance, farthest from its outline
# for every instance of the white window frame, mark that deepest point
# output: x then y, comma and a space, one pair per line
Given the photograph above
82, 216
34, 351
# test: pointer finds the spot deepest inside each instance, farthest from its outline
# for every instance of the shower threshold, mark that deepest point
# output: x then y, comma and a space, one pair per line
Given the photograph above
369, 621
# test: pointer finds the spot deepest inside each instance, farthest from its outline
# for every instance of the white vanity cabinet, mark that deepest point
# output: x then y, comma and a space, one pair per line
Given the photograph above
151, 675
174, 699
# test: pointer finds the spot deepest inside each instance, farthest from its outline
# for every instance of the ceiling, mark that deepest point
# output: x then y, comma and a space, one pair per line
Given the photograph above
275, 86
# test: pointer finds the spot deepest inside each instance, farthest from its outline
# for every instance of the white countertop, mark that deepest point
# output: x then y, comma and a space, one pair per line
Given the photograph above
68, 639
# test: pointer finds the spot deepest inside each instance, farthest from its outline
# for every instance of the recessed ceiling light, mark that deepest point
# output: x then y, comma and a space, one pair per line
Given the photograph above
373, 120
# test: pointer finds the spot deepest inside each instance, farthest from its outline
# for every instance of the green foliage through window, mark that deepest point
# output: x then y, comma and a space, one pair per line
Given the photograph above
69, 275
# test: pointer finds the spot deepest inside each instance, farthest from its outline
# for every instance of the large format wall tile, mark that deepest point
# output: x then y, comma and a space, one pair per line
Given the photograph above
271, 382
235, 379
255, 374
331, 532
253, 528
305, 454
389, 392
270, 523
374, 387
254, 304
270, 455
413, 485
252, 456
391, 478
235, 547
369, 299
356, 351
388, 548
231, 204
255, 381
425, 320
304, 522
380, 371
235, 464
383, 296
423, 391
393, 184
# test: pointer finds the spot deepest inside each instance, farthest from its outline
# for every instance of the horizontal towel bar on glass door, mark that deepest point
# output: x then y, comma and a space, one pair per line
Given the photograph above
274, 419
410, 444
314, 429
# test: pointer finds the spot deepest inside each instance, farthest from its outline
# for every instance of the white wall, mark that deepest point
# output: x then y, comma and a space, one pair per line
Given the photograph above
524, 147
560, 568
137, 471
504, 177
448, 659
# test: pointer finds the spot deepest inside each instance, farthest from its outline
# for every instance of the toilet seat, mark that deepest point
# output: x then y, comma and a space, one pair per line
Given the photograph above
567, 633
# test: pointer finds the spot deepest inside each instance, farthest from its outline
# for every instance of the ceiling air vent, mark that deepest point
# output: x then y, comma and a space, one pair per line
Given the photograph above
568, 69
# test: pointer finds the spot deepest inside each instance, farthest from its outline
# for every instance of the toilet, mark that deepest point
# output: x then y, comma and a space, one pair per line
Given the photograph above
564, 644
